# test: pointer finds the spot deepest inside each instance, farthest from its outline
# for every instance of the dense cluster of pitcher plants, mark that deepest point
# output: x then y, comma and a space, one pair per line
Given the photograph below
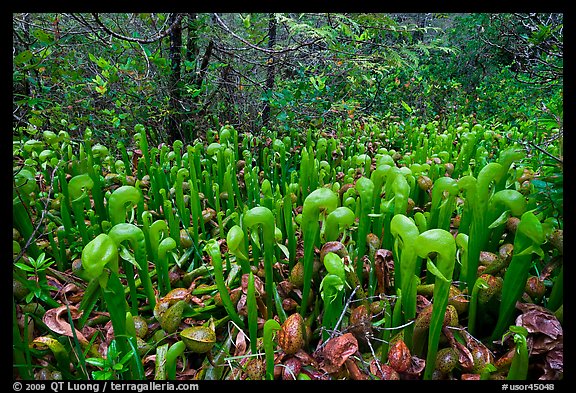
368, 251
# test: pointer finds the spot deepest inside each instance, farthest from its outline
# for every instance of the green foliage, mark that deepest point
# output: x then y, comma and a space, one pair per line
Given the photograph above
318, 162
112, 366
36, 269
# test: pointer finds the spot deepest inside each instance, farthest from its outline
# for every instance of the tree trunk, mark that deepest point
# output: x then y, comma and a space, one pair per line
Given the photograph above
271, 67
174, 120
192, 46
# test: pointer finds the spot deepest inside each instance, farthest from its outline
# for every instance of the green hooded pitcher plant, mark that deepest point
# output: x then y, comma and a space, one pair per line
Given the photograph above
100, 264
78, 189
120, 201
529, 237
405, 234
237, 247
442, 243
212, 248
135, 236
262, 216
443, 206
337, 222
332, 289
474, 216
319, 200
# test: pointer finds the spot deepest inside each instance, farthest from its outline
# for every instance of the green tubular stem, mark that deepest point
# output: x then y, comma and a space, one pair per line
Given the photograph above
405, 233
401, 190
230, 189
77, 188
157, 230
289, 226
196, 209
160, 363
136, 367
183, 212
480, 284
192, 166
135, 236
146, 223
252, 314
365, 189
125, 159
206, 186
387, 333
61, 235
520, 362
556, 298
173, 226
279, 309
24, 224
466, 151
55, 250
212, 248
97, 194
506, 158
475, 206
263, 216
118, 201
442, 242
165, 246
332, 292
442, 185
139, 129
270, 326
325, 199
20, 351
397, 312
172, 354
529, 237
157, 183
462, 240
63, 184
304, 173
177, 147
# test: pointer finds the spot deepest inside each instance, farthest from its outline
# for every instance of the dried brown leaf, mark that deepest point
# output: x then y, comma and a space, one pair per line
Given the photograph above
417, 365
354, 371
258, 285
383, 371
537, 319
399, 357
384, 269
240, 344
553, 365
56, 320
306, 359
470, 377
291, 368
336, 351
465, 358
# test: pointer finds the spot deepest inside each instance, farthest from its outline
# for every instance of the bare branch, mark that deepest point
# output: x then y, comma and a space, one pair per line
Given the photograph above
266, 50
155, 38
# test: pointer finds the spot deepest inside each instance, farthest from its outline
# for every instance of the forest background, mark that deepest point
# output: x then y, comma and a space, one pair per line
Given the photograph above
184, 75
